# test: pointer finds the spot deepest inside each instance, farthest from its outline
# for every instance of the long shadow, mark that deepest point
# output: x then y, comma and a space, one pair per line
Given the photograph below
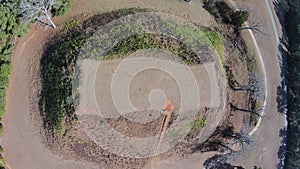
282, 149
281, 8
218, 162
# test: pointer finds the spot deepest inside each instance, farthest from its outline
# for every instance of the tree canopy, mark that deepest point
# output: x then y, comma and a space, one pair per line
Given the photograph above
239, 17
293, 78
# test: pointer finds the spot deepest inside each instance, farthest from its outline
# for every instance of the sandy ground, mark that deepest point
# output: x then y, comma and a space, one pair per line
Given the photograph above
21, 141
148, 84
191, 11
194, 161
144, 82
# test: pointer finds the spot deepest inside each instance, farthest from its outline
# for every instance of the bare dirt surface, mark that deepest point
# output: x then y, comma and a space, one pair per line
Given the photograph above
148, 90
21, 141
192, 11
192, 162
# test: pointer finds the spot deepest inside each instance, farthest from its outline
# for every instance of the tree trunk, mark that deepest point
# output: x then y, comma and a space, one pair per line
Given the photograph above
52, 24
242, 88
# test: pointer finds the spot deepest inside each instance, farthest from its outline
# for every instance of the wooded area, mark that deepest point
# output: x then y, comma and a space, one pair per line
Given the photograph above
293, 79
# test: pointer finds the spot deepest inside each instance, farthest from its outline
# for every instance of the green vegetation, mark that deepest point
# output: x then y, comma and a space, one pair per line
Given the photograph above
4, 72
238, 18
216, 40
224, 13
196, 37
293, 78
2, 164
71, 24
62, 7
147, 41
198, 123
57, 69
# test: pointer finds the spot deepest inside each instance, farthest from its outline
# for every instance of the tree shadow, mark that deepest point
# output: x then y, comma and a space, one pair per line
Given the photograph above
219, 161
281, 100
281, 8
282, 149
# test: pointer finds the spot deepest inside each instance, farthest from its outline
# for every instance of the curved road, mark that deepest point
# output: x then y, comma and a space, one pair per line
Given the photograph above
266, 133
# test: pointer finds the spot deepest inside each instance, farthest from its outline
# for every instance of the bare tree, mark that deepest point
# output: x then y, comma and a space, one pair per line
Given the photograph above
255, 86
256, 28
37, 10
256, 112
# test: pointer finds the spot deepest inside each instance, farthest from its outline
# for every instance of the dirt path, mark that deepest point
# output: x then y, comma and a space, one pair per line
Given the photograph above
267, 138
191, 11
21, 141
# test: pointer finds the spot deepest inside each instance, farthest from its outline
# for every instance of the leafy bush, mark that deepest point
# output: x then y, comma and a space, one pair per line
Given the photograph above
223, 12
57, 69
198, 123
10, 27
62, 7
2, 164
238, 18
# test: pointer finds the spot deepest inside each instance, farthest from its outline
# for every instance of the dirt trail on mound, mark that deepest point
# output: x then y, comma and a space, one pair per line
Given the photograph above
21, 140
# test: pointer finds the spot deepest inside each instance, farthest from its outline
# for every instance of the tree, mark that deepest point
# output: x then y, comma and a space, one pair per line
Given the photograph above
256, 112
37, 10
255, 87
238, 18
292, 22
256, 28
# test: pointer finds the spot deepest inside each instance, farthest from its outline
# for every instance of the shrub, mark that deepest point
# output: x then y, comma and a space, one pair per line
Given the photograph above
198, 123
62, 7
238, 18
220, 9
